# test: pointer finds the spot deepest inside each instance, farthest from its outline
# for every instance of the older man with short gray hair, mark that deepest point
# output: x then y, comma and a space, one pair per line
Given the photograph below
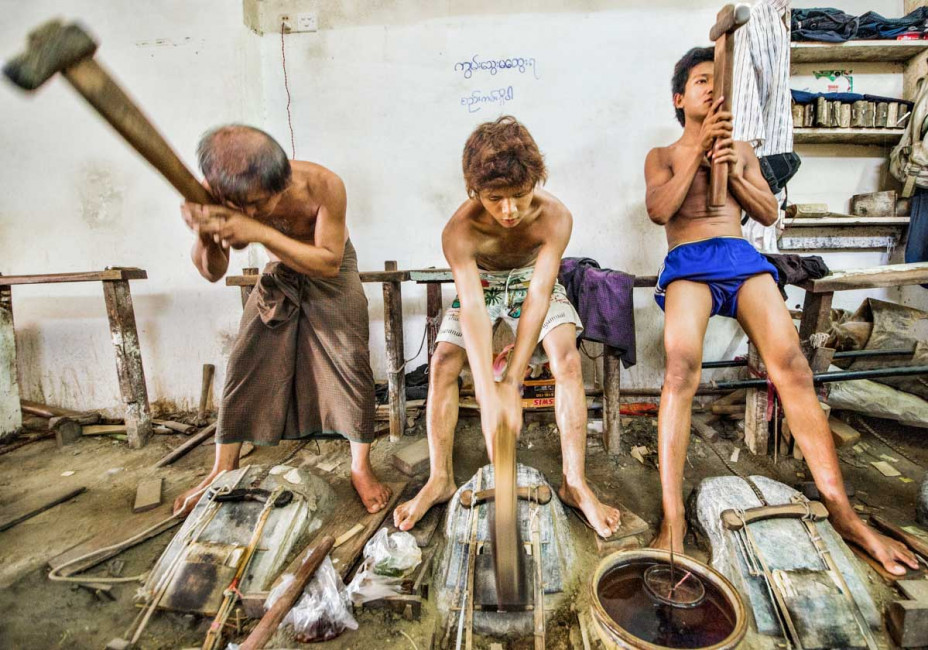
300, 364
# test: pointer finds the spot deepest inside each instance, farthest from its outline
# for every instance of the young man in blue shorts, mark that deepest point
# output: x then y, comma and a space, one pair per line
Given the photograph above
709, 270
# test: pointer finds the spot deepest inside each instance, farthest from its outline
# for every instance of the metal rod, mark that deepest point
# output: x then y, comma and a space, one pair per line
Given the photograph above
828, 377
848, 354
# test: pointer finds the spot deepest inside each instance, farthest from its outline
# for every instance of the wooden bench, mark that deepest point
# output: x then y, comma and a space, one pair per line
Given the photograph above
816, 319
125, 339
392, 279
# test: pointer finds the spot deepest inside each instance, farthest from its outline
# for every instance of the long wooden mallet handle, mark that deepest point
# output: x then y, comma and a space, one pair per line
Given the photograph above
272, 618
730, 18
68, 49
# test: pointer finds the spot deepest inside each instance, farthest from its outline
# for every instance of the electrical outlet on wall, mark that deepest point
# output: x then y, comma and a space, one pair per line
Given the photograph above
307, 22
304, 22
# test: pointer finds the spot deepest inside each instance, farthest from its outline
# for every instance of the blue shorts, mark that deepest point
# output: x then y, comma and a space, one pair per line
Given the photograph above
722, 263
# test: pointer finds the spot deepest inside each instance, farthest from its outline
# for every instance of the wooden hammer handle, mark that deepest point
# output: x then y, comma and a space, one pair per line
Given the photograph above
733, 520
272, 618
105, 95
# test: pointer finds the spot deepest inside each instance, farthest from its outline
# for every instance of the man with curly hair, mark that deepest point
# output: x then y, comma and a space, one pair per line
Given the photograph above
504, 246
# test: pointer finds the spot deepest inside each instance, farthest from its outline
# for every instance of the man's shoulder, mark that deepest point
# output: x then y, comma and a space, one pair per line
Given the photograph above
315, 176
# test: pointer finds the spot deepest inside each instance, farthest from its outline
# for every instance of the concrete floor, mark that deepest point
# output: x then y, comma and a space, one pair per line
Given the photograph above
40, 614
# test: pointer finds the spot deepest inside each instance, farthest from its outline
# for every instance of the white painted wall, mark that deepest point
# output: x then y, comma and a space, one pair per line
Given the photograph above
380, 102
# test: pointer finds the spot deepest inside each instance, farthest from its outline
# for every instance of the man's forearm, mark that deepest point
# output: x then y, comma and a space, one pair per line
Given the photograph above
759, 203
303, 257
534, 310
210, 259
478, 342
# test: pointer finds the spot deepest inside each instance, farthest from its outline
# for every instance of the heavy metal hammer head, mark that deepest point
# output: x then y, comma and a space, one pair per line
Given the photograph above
730, 18
51, 48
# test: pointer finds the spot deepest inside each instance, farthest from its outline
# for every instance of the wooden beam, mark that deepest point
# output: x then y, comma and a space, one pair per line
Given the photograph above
892, 275
193, 441
756, 431
396, 371
612, 422
433, 315
89, 276
816, 314
247, 288
128, 361
11, 416
33, 504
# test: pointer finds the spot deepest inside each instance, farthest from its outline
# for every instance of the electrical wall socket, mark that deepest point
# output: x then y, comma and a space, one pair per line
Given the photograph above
307, 22
304, 22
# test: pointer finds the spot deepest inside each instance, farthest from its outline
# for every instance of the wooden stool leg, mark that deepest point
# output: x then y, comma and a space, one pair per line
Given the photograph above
11, 415
433, 309
756, 431
612, 422
816, 316
246, 291
396, 372
128, 361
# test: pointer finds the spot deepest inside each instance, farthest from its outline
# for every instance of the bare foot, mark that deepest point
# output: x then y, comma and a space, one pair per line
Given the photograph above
436, 490
884, 550
374, 494
604, 519
191, 496
662, 539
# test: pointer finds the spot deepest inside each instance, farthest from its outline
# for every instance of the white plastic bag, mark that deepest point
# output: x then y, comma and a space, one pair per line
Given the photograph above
393, 555
323, 611
387, 559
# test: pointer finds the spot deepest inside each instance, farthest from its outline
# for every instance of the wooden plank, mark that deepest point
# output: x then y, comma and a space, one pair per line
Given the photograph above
178, 427
346, 517
128, 362
857, 136
892, 275
396, 371
36, 503
838, 220
914, 589
843, 433
117, 531
756, 430
103, 429
206, 390
247, 288
366, 276
88, 276
148, 495
855, 51
704, 429
424, 276
816, 314
11, 416
612, 422
413, 458
67, 430
433, 314
194, 441
908, 623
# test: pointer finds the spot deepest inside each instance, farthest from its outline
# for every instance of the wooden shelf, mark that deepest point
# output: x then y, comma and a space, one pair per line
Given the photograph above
856, 51
849, 221
868, 137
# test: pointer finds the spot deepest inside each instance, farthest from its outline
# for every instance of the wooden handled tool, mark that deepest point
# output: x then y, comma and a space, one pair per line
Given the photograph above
735, 520
508, 554
540, 494
272, 618
729, 19
68, 49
